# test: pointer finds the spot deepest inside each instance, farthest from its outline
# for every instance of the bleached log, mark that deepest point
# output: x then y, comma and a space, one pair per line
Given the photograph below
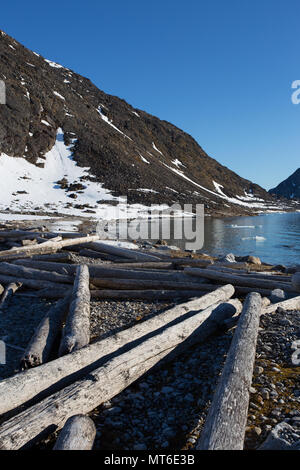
76, 333
41, 344
1, 289
30, 273
8, 292
152, 265
17, 234
252, 274
34, 283
225, 424
123, 252
46, 247
105, 271
56, 257
98, 386
78, 433
22, 387
290, 304
144, 284
238, 280
96, 255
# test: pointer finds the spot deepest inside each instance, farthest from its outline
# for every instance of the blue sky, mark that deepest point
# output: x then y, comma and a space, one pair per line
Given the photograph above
220, 70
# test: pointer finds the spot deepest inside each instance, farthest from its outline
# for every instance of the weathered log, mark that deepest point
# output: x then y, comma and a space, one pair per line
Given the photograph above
78, 433
56, 257
178, 262
238, 280
98, 386
22, 387
1, 289
151, 295
252, 274
152, 265
40, 347
28, 233
30, 273
105, 271
123, 252
144, 284
46, 247
76, 333
290, 304
56, 291
96, 255
8, 292
34, 283
225, 424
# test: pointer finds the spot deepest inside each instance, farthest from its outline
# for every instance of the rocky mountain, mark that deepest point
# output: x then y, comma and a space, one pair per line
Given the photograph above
289, 188
67, 147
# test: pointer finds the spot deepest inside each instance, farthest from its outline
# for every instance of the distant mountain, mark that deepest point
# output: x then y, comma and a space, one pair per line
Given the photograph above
68, 147
289, 188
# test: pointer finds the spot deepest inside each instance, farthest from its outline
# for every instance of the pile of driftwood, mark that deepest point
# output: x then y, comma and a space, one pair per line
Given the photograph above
51, 394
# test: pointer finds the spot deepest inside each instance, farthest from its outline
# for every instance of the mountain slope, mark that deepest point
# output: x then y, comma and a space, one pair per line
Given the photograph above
289, 188
53, 114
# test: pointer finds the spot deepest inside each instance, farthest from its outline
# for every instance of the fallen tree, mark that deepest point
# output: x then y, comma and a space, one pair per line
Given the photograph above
98, 386
225, 424
76, 332
22, 387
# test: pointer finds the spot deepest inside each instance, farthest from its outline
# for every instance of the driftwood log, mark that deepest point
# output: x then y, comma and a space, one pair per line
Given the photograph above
76, 333
98, 386
35, 283
46, 247
9, 292
239, 280
78, 433
30, 273
151, 295
40, 347
123, 252
1, 289
290, 304
137, 284
225, 424
296, 282
22, 387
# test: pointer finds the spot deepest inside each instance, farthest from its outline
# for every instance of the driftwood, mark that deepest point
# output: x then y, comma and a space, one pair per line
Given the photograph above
238, 280
98, 386
296, 282
137, 284
30, 273
123, 252
96, 255
76, 333
17, 234
40, 347
78, 433
8, 292
98, 271
225, 424
35, 283
252, 274
151, 295
56, 257
22, 387
290, 304
1, 289
144, 265
46, 247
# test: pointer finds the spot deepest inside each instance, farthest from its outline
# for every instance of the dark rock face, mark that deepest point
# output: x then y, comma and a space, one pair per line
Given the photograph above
289, 188
113, 139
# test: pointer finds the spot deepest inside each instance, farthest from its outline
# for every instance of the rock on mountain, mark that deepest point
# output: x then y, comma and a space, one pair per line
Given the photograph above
289, 188
67, 147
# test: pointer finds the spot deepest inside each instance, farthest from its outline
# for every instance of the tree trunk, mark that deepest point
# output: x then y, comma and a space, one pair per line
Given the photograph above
35, 283
22, 387
225, 424
239, 280
98, 386
76, 333
40, 347
78, 433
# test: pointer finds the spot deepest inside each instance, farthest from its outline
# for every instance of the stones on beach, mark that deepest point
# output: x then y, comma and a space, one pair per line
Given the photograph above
277, 295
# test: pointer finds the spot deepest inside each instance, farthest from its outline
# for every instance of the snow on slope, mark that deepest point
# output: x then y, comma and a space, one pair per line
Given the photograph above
26, 187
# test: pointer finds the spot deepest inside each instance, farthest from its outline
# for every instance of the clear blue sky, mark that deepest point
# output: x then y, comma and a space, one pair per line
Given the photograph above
220, 69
